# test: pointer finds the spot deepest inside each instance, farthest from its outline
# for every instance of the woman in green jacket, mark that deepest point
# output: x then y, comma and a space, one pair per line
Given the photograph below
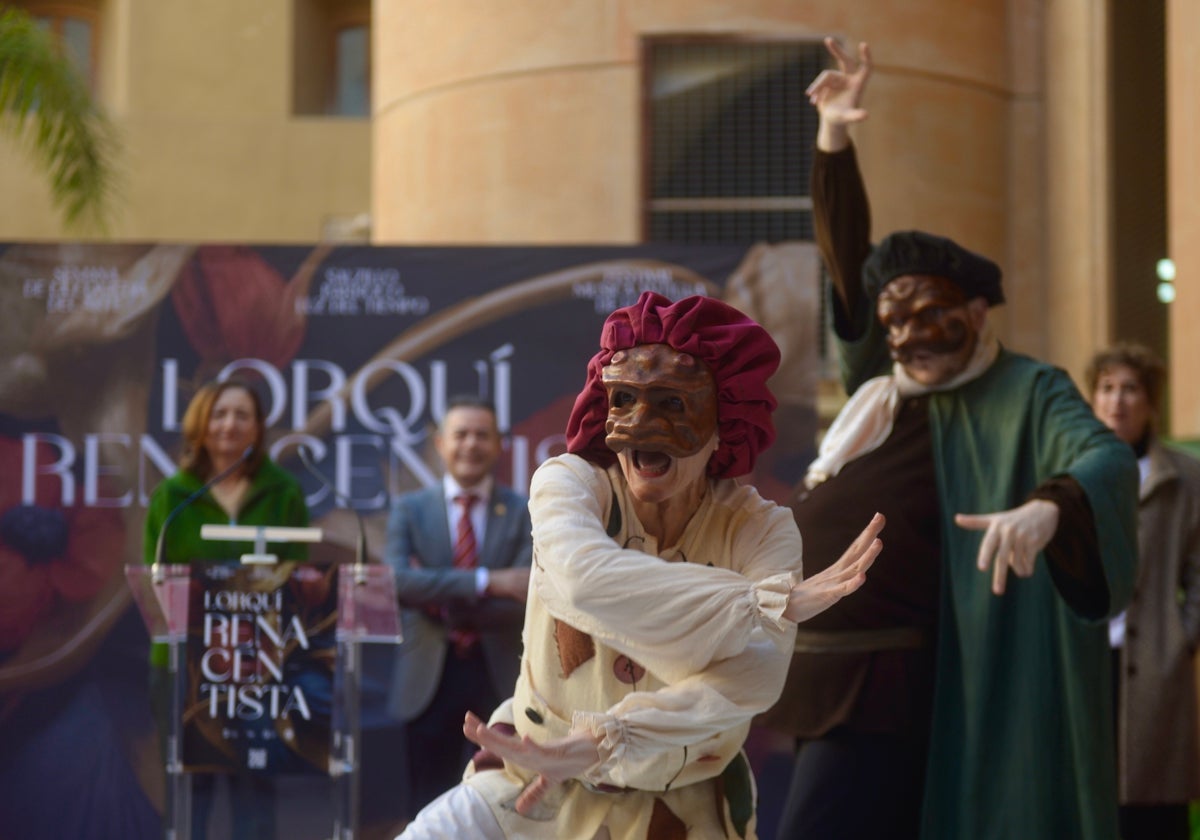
222, 421
224, 424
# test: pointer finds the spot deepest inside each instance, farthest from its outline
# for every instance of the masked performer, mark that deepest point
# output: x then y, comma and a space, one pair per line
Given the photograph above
663, 598
969, 702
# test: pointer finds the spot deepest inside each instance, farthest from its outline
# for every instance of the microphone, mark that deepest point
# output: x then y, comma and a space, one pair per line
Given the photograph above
360, 555
216, 479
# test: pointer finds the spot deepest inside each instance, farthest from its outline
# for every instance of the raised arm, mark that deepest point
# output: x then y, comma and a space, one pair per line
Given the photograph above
842, 214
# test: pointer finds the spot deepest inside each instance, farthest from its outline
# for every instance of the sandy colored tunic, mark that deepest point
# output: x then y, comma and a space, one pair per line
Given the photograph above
668, 651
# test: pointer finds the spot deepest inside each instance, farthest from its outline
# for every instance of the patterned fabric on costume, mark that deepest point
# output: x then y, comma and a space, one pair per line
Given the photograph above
670, 673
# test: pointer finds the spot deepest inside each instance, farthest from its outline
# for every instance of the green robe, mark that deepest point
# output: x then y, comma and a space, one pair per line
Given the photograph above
1022, 732
274, 497
1022, 736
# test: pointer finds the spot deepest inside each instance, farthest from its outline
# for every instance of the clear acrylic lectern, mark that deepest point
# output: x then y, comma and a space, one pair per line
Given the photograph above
366, 613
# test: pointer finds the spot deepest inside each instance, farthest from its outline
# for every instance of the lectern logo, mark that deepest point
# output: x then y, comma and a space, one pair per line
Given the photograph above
261, 643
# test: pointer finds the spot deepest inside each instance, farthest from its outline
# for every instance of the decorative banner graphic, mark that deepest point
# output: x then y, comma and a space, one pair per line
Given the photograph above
260, 668
356, 351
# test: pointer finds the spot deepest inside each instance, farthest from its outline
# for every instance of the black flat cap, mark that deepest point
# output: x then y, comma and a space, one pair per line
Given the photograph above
916, 252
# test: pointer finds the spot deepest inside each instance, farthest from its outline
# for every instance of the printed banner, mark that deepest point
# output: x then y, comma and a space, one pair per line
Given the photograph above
261, 653
356, 350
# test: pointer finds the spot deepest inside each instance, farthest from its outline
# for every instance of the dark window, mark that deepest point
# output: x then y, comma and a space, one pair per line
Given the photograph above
331, 58
729, 137
352, 71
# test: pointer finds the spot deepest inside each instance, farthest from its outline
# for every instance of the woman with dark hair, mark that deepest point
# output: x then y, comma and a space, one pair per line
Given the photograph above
1153, 641
223, 431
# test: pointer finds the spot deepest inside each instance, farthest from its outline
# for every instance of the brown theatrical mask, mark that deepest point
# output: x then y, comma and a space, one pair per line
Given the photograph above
659, 400
932, 328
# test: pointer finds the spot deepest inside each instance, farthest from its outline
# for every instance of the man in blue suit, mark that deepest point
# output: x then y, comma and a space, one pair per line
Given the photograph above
462, 574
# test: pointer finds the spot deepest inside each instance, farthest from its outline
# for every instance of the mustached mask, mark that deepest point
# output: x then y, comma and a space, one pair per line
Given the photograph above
659, 400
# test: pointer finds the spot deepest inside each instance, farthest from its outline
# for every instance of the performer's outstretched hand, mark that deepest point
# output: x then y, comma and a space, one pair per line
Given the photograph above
815, 594
1012, 538
554, 761
837, 95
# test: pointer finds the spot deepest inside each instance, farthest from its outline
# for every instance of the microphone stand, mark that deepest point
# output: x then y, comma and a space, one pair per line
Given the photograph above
156, 567
179, 793
360, 552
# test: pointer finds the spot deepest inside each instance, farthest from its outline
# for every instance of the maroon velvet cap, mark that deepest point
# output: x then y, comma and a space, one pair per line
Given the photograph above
739, 353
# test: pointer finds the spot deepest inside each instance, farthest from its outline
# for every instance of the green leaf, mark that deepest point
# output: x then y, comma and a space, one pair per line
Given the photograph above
46, 106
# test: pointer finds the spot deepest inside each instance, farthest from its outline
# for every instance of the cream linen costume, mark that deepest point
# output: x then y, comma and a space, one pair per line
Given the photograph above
669, 660
659, 656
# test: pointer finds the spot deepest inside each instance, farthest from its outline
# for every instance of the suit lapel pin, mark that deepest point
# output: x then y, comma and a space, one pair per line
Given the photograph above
499, 509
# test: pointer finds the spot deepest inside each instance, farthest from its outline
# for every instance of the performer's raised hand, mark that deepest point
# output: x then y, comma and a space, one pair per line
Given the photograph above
837, 95
554, 761
1011, 538
824, 589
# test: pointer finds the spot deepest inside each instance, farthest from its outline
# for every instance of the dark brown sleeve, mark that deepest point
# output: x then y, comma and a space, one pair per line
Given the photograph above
842, 224
1073, 554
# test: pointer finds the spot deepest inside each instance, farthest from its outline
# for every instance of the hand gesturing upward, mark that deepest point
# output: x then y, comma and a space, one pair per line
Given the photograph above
837, 95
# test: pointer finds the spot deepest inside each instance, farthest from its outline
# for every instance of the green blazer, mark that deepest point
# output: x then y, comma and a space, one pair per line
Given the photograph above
273, 498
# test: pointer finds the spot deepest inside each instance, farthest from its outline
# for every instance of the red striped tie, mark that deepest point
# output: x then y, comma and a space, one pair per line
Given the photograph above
466, 556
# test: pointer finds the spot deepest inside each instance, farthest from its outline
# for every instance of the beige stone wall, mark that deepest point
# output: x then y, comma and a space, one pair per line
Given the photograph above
520, 122
1078, 245
1183, 211
513, 122
523, 123
201, 95
989, 122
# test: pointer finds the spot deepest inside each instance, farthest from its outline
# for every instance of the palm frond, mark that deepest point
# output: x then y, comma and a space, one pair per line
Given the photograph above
46, 105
